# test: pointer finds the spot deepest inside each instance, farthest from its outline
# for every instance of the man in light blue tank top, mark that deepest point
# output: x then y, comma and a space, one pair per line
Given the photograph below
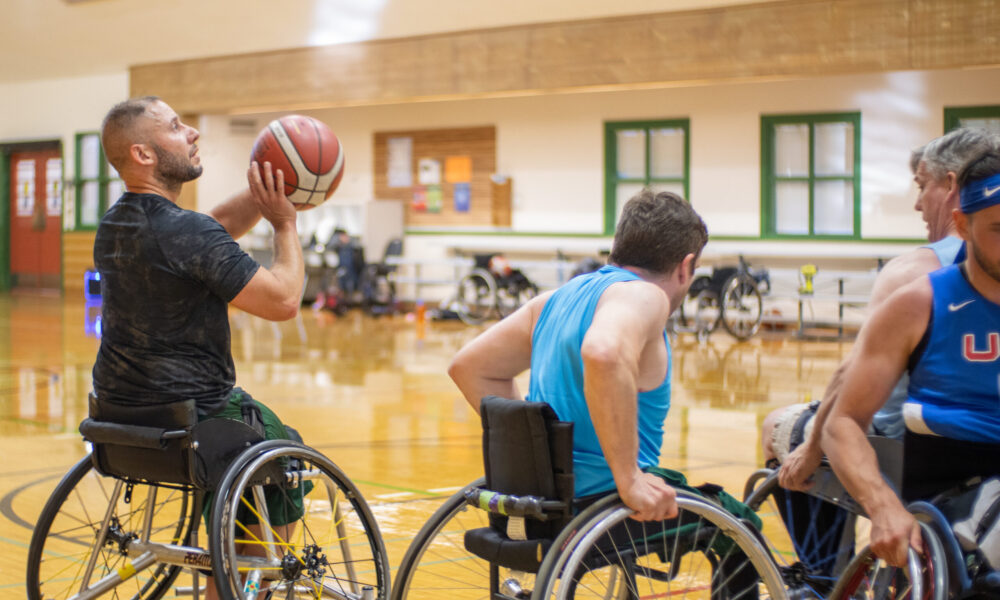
598, 352
944, 328
791, 435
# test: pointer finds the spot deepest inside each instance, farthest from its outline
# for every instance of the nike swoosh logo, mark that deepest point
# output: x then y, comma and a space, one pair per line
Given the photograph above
954, 307
988, 192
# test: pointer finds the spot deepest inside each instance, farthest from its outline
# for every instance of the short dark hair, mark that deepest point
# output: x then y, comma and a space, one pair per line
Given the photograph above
656, 231
117, 123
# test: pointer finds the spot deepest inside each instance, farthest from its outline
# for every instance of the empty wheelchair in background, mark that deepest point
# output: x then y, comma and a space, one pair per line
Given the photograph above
124, 521
378, 281
520, 533
732, 296
492, 288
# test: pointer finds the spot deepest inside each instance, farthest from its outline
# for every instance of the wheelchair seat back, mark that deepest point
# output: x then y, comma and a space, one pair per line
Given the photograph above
163, 443
527, 452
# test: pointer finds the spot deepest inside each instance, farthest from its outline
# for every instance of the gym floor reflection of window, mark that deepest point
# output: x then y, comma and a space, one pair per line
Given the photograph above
643, 153
810, 175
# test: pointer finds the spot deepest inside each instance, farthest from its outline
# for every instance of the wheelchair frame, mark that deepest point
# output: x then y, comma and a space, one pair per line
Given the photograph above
321, 559
730, 296
483, 294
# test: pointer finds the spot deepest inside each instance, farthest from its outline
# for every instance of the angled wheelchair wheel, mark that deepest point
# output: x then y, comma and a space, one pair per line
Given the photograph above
477, 296
287, 523
925, 578
437, 565
705, 553
741, 307
81, 534
512, 297
812, 541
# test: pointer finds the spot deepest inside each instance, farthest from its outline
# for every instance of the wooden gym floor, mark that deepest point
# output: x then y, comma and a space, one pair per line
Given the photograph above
373, 395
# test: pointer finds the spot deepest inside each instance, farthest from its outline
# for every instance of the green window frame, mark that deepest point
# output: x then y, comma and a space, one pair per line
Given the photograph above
96, 184
625, 141
813, 181
986, 117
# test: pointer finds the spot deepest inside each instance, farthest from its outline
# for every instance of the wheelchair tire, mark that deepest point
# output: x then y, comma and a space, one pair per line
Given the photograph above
871, 578
700, 315
741, 307
477, 296
437, 564
603, 552
811, 540
331, 548
512, 297
67, 531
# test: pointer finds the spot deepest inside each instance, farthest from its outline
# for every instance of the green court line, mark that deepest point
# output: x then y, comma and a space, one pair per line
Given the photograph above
395, 487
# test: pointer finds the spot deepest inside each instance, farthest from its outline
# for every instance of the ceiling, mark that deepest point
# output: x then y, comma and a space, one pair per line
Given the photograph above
49, 39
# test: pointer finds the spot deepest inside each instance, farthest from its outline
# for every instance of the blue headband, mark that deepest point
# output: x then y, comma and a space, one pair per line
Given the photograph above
981, 194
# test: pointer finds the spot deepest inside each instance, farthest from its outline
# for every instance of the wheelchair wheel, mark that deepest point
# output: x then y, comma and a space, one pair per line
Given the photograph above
477, 296
700, 315
512, 297
868, 577
437, 565
812, 541
705, 552
288, 523
70, 535
741, 307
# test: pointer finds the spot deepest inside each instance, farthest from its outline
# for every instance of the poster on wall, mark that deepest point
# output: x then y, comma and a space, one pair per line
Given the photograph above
419, 199
458, 169
434, 198
400, 163
462, 197
25, 188
53, 187
428, 171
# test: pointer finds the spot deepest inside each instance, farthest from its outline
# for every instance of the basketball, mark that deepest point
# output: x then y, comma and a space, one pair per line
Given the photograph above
307, 153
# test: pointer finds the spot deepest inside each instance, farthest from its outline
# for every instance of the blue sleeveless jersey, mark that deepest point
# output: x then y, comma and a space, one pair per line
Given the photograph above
954, 388
557, 378
888, 421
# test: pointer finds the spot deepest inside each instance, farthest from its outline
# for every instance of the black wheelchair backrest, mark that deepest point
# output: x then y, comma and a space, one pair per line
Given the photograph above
163, 443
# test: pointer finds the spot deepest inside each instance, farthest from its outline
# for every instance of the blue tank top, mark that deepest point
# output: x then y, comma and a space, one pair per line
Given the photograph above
888, 421
954, 387
557, 378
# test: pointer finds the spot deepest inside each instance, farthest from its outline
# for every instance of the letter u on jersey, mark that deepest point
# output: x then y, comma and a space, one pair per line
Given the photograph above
973, 354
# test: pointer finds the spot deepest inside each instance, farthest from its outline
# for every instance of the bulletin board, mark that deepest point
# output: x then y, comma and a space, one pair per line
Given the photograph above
444, 177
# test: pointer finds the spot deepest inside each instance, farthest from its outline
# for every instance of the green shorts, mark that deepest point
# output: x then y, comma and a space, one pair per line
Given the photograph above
284, 506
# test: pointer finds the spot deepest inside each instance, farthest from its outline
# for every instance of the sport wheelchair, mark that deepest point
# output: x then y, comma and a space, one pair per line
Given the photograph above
820, 548
731, 296
534, 539
492, 287
124, 521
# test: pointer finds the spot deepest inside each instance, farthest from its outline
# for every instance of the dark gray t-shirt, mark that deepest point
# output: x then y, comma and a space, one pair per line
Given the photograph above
167, 277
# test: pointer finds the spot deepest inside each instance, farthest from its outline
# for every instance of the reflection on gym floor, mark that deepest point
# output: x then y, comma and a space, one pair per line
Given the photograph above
372, 394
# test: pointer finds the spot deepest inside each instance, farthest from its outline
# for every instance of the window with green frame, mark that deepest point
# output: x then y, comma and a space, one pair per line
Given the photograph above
96, 182
643, 153
811, 175
983, 117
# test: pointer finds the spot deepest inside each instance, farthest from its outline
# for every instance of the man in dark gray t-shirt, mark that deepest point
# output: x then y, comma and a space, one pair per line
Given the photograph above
168, 274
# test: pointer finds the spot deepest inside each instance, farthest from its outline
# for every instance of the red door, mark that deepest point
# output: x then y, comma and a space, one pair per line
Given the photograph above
35, 218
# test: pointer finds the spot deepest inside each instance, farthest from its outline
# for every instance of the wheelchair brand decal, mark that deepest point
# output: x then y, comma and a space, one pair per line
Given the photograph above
972, 353
198, 559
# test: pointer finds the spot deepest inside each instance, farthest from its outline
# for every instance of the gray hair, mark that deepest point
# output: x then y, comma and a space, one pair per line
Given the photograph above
916, 155
950, 152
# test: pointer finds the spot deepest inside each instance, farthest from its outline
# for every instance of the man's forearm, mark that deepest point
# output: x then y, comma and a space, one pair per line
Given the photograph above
855, 463
612, 401
288, 267
238, 214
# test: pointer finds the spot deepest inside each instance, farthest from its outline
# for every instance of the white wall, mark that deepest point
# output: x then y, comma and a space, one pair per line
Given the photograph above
552, 146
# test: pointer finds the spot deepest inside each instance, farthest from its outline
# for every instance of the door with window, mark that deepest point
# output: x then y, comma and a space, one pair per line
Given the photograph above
36, 218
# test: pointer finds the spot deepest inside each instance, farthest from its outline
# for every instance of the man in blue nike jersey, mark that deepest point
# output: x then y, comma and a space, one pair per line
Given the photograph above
791, 435
945, 330
599, 354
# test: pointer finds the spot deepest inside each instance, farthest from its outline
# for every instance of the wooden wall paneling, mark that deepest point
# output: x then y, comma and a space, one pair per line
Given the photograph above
479, 143
793, 38
78, 256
